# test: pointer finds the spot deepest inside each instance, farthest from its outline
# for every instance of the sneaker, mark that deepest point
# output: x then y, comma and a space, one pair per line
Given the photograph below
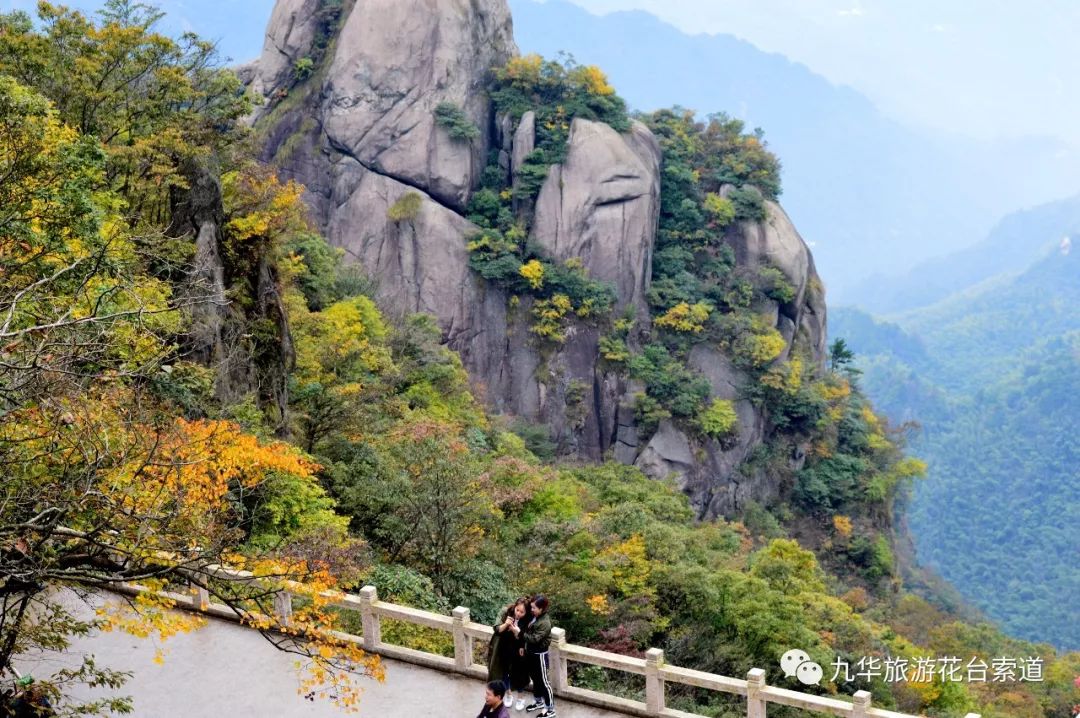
549, 713
535, 706
520, 704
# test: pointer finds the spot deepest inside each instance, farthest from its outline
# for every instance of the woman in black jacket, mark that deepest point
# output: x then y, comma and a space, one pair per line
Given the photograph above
537, 637
506, 654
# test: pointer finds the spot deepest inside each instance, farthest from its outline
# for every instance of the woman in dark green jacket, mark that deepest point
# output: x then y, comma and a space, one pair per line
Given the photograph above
506, 654
537, 637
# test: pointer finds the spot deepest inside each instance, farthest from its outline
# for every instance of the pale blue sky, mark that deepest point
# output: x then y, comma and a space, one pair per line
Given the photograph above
981, 68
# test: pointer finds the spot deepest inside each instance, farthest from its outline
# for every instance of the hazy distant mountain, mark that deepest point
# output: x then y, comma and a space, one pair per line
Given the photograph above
992, 374
978, 337
873, 197
1017, 241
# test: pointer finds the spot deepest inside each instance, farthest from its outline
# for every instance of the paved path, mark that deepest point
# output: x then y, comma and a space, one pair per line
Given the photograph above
230, 671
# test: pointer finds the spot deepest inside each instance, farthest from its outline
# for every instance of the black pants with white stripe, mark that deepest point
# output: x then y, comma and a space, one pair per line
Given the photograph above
538, 672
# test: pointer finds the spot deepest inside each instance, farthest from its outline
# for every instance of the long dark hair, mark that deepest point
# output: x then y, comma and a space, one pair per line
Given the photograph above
523, 601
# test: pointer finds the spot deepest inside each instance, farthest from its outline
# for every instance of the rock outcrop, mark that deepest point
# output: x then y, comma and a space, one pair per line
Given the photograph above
393, 63
364, 137
247, 363
388, 185
290, 37
776, 243
714, 480
361, 136
602, 205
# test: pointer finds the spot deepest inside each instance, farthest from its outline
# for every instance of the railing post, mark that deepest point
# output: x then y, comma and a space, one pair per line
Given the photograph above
369, 618
755, 704
973, 715
860, 704
654, 684
557, 660
463, 649
200, 597
283, 607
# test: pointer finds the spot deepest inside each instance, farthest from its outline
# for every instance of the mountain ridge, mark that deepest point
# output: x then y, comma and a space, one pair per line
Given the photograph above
1012, 246
996, 421
575, 204
871, 195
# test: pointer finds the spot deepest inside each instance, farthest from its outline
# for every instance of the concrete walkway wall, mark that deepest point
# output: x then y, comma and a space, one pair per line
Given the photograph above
227, 671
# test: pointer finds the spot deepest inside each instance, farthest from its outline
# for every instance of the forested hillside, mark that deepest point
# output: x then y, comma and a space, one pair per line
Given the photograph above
983, 332
1017, 447
1016, 242
191, 376
999, 422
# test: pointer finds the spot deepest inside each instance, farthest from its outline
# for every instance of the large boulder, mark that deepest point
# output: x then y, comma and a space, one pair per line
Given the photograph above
290, 37
776, 243
419, 258
710, 473
710, 477
668, 455
392, 63
395, 62
602, 206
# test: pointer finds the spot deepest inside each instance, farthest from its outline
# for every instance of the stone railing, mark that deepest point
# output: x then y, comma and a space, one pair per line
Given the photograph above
656, 671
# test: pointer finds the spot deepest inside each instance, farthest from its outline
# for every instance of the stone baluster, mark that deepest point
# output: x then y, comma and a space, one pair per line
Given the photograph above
369, 618
755, 704
654, 684
463, 647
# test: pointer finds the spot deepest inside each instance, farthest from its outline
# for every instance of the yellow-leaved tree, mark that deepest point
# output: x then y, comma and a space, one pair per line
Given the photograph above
106, 480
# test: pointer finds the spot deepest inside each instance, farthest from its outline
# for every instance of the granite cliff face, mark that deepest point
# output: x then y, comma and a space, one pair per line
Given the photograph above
801, 322
389, 185
601, 206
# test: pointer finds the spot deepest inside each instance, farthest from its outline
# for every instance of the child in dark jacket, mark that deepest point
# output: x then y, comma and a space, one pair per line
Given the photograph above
493, 701
537, 635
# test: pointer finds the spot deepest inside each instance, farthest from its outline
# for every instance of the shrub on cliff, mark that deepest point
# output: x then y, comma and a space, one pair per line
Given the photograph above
456, 123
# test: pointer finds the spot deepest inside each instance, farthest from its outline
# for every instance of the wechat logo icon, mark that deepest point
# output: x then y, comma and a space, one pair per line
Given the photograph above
797, 664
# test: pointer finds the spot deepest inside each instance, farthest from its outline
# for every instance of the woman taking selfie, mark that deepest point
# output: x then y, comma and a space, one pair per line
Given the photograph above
506, 654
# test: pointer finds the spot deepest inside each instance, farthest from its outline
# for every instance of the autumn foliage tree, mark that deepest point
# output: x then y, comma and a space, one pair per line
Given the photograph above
107, 480
153, 102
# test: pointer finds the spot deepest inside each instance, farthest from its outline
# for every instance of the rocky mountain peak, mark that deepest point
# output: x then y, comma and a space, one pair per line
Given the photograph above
358, 97
388, 65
